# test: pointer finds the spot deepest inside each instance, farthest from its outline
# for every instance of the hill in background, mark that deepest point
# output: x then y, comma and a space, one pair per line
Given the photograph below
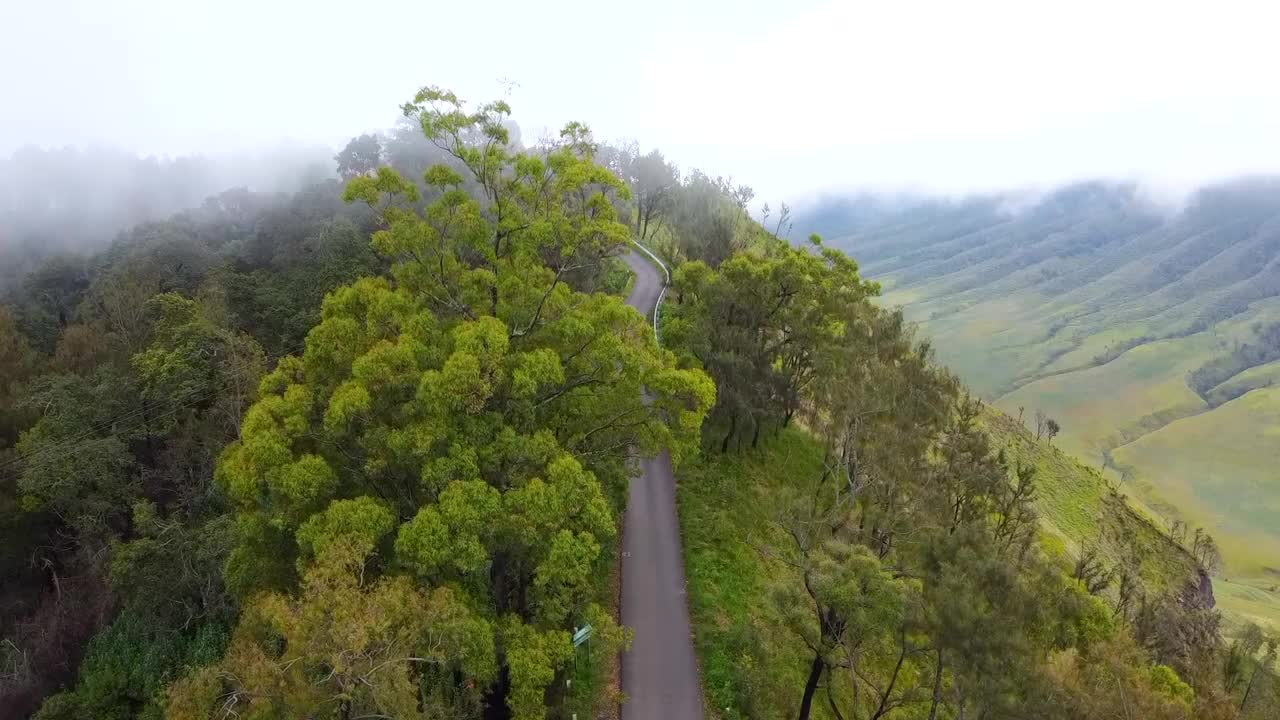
1150, 333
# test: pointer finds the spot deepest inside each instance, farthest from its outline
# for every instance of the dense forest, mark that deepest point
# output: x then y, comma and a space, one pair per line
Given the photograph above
361, 451
73, 200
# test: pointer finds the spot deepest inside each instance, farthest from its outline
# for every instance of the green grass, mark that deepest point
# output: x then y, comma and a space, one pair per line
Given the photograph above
1099, 408
1080, 507
1108, 358
1212, 466
1229, 485
1255, 600
1095, 313
723, 502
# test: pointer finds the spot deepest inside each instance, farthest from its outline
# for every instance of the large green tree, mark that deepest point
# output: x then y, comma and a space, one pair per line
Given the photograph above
362, 155
762, 324
654, 184
484, 406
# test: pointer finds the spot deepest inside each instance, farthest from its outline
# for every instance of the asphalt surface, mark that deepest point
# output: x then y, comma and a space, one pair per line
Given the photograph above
660, 672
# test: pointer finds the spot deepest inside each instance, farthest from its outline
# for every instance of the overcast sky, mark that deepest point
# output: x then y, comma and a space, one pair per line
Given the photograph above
794, 98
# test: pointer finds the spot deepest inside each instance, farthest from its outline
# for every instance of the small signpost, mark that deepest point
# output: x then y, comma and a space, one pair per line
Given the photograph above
580, 637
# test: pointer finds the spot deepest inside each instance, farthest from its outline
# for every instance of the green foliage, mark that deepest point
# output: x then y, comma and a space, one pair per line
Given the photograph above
359, 523
362, 155
169, 573
1144, 332
708, 217
86, 480
618, 279
1078, 506
16, 363
997, 619
1166, 682
904, 562
654, 182
280, 303
128, 668
1114, 677
480, 394
147, 370
345, 646
533, 659
563, 584
762, 325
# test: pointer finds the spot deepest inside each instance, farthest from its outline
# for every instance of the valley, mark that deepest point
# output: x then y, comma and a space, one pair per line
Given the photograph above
1147, 332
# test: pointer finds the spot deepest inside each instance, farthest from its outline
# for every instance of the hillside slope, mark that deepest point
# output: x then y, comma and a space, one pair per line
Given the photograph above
750, 660
1149, 334
1083, 510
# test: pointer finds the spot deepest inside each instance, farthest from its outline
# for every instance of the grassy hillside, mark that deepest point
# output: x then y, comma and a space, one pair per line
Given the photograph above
1148, 333
1231, 480
725, 503
1082, 510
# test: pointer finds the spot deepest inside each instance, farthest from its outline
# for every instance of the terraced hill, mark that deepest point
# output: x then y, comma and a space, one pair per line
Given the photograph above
1151, 334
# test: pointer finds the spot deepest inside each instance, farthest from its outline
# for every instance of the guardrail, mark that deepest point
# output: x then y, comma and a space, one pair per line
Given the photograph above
661, 295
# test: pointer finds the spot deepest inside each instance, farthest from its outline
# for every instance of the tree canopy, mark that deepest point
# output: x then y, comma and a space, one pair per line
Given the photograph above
363, 451
469, 419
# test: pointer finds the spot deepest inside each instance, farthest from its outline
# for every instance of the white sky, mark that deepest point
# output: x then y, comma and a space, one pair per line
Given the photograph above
794, 98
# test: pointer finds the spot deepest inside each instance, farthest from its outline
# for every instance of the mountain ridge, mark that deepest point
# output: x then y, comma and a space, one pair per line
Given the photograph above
1117, 315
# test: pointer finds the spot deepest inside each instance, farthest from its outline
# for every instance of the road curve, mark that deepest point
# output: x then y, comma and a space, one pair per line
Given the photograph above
660, 672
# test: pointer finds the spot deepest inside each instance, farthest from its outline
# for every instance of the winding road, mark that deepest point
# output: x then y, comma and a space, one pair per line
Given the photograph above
660, 672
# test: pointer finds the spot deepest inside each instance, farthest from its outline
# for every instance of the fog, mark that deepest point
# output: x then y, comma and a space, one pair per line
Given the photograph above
76, 200
73, 197
795, 99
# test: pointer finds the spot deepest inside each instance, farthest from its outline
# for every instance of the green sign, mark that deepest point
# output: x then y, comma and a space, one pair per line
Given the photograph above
581, 635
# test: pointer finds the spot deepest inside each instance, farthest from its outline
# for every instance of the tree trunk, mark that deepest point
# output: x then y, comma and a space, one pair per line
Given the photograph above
495, 697
1248, 689
884, 707
937, 688
831, 700
810, 687
733, 425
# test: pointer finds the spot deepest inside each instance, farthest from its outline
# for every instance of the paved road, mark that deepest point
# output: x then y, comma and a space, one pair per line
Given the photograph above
659, 674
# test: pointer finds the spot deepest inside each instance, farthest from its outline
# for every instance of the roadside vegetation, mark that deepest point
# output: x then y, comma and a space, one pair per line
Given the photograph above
358, 452
362, 452
866, 540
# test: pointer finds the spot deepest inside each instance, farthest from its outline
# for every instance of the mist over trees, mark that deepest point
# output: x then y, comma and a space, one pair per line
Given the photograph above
362, 449
75, 200
131, 435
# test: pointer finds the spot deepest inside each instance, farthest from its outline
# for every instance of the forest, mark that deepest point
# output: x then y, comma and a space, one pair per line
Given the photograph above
75, 200
361, 450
